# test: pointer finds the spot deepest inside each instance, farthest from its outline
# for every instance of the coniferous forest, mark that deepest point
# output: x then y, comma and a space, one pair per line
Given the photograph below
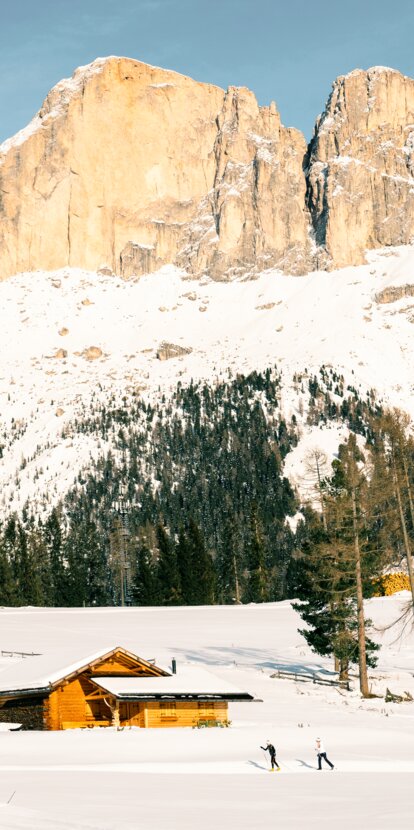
189, 505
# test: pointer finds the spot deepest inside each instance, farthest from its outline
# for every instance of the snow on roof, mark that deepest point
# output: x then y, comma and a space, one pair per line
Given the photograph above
188, 681
41, 672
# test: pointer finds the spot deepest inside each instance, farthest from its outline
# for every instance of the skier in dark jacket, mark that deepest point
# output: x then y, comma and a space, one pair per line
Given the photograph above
272, 752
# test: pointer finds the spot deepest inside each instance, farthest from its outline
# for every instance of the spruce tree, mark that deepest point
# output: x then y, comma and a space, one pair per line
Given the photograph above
257, 587
185, 567
146, 589
54, 542
202, 568
167, 569
8, 590
340, 558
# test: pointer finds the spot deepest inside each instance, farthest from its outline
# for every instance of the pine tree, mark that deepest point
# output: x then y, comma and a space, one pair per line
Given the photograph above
146, 589
167, 569
323, 580
54, 542
202, 569
8, 592
185, 567
257, 587
338, 561
229, 565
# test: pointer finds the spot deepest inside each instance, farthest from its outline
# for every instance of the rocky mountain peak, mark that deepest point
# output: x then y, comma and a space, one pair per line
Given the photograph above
131, 167
361, 186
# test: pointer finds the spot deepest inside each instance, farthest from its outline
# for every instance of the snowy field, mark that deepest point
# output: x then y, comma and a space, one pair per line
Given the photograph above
183, 778
70, 336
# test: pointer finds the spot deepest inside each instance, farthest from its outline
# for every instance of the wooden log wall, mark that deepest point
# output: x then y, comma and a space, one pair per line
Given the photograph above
182, 713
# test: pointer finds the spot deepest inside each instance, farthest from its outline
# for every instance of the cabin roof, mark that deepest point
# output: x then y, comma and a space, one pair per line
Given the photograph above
189, 682
40, 673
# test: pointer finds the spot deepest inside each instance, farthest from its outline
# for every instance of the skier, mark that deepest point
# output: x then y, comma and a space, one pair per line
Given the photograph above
320, 751
272, 752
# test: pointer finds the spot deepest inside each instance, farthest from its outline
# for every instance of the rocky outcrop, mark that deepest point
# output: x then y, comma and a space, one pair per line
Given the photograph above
361, 166
133, 166
254, 216
127, 167
166, 351
393, 293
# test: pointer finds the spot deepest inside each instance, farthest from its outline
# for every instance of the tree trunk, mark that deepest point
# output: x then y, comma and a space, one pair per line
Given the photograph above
362, 656
236, 581
322, 503
344, 669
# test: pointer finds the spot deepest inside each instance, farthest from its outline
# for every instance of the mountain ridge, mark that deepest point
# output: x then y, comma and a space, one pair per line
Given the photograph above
134, 167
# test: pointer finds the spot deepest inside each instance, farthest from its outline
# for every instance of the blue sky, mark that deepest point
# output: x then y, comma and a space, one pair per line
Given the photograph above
288, 51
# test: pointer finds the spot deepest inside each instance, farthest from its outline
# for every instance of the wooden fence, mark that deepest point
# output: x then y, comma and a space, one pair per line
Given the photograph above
310, 678
4, 653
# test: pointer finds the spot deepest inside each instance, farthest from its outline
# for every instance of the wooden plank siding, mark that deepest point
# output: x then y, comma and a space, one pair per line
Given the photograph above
68, 707
183, 712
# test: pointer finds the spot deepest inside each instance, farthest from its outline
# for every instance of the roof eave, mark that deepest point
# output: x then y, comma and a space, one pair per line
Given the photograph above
228, 698
40, 691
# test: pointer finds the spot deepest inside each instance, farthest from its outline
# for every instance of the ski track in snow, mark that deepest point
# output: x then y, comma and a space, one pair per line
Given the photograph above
49, 320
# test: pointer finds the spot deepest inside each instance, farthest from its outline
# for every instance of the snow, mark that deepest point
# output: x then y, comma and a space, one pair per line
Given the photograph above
373, 70
102, 779
298, 464
317, 319
188, 680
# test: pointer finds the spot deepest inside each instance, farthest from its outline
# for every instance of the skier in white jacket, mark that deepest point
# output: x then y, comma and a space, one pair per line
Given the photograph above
320, 751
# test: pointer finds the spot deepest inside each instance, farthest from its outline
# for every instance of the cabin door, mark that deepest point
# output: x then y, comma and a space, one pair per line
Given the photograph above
131, 714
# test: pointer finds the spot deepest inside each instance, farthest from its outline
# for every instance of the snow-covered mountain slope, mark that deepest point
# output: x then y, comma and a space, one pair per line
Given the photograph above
70, 337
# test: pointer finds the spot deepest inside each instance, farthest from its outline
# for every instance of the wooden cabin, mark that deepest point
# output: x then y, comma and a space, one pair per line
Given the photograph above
112, 688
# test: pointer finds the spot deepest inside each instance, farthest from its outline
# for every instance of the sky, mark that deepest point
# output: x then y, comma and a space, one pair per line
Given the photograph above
289, 51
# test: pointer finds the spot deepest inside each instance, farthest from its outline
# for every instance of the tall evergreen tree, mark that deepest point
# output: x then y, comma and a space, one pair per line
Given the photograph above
338, 561
146, 589
53, 537
202, 569
185, 567
257, 587
8, 588
167, 569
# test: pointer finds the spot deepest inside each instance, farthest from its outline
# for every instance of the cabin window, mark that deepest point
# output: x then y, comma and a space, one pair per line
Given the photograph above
206, 710
168, 711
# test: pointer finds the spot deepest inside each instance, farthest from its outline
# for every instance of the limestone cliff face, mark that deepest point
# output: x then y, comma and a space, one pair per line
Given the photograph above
130, 166
254, 216
361, 166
